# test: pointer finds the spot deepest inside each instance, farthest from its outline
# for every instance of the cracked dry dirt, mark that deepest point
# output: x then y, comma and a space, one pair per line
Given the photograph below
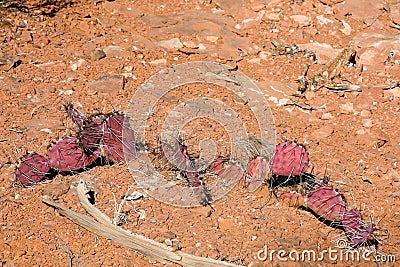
94, 54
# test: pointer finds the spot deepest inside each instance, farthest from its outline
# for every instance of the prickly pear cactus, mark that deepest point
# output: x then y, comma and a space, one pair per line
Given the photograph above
68, 155
118, 140
356, 230
32, 169
290, 159
257, 173
92, 132
326, 202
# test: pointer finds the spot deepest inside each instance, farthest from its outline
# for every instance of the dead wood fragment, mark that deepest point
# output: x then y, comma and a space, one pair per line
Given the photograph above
103, 226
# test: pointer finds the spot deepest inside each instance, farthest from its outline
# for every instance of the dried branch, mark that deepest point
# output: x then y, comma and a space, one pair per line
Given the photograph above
103, 226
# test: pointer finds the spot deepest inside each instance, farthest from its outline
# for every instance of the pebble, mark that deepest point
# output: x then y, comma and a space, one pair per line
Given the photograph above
367, 123
323, 21
7, 62
212, 39
302, 20
347, 108
26, 37
97, 54
323, 132
114, 51
327, 116
170, 44
395, 13
77, 64
190, 44
55, 190
226, 224
347, 28
161, 61
106, 84
272, 16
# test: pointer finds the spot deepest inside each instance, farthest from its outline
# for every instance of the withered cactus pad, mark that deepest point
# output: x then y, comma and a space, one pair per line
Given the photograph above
32, 169
68, 155
290, 159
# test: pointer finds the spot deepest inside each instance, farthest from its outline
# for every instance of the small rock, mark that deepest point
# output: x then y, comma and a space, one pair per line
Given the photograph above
395, 13
347, 28
212, 39
169, 235
55, 190
190, 44
302, 20
201, 211
395, 92
114, 51
257, 6
134, 196
324, 52
106, 84
375, 47
360, 132
365, 113
10, 83
323, 132
202, 47
26, 37
171, 44
97, 54
322, 20
272, 16
77, 64
346, 108
327, 116
367, 123
7, 62
161, 61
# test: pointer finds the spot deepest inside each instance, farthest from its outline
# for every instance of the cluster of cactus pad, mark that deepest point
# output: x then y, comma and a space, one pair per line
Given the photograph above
289, 163
99, 135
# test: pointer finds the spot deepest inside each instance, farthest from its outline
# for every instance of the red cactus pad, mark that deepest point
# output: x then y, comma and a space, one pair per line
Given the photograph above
32, 169
92, 132
257, 172
356, 230
290, 159
293, 199
218, 166
75, 115
326, 202
118, 138
68, 155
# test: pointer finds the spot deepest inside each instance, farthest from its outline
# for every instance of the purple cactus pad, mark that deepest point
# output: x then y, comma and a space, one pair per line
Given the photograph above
257, 172
68, 155
118, 138
92, 132
356, 230
326, 202
32, 169
290, 159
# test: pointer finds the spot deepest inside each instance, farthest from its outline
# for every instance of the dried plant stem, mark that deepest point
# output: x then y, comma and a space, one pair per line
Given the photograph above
103, 226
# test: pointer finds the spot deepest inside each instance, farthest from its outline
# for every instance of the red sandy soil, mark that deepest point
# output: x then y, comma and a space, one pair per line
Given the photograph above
353, 139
